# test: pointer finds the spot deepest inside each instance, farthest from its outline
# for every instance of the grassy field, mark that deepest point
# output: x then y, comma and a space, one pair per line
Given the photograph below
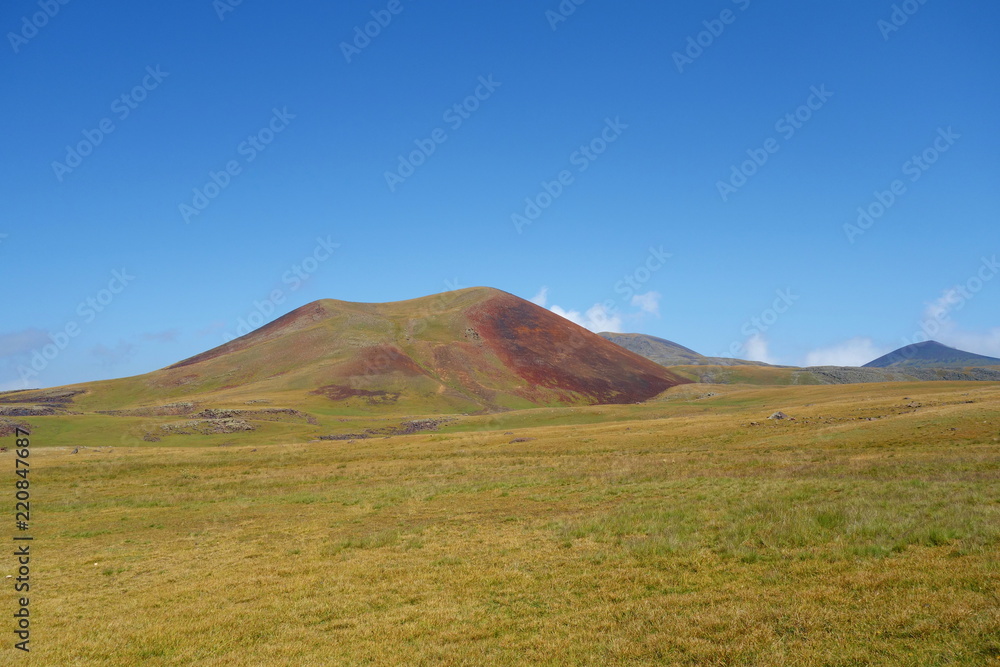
866, 531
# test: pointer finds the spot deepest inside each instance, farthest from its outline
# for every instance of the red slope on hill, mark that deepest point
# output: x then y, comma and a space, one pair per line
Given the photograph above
467, 350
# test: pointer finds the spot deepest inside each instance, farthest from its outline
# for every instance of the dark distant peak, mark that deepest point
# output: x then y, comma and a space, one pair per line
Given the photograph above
931, 354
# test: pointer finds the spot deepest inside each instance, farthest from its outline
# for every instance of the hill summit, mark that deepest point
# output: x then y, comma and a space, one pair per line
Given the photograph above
462, 351
931, 354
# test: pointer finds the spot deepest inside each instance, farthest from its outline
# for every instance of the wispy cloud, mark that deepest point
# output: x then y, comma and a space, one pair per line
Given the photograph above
596, 318
168, 336
113, 356
937, 324
22, 342
599, 317
212, 328
756, 349
985, 342
648, 302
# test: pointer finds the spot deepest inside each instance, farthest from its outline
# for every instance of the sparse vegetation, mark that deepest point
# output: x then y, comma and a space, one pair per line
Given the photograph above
671, 532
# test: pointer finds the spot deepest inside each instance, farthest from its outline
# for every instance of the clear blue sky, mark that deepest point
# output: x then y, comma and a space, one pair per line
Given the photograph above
326, 131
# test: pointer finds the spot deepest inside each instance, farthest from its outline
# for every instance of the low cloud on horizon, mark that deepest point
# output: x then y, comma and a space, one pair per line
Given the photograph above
856, 351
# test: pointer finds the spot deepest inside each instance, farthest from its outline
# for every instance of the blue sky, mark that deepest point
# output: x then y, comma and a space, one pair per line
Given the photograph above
715, 155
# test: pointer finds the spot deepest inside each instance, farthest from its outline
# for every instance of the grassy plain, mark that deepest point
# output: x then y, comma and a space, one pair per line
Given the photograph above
866, 531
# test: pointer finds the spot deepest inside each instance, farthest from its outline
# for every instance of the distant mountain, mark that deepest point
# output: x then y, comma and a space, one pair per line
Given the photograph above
786, 375
931, 355
463, 351
668, 353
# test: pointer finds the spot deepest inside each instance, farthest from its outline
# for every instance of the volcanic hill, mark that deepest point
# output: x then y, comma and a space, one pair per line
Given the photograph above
931, 354
476, 349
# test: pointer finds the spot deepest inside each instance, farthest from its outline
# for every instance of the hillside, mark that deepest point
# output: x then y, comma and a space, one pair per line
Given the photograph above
931, 354
784, 375
669, 353
471, 350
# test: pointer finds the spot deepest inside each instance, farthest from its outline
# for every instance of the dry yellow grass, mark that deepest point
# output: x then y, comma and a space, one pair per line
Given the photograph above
667, 533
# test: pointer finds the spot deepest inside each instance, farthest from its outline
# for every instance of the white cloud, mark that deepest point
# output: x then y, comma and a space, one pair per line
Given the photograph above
940, 308
857, 351
542, 298
648, 302
571, 315
755, 349
596, 318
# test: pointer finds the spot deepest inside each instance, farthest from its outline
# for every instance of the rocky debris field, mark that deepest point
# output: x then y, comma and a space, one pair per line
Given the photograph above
405, 428
8, 427
207, 427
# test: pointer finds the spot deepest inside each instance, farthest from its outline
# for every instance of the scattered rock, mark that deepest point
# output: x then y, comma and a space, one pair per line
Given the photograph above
405, 428
9, 427
206, 427
169, 410
779, 415
520, 440
267, 414
27, 411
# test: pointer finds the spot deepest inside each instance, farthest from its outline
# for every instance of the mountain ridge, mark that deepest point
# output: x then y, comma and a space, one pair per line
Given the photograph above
931, 354
668, 353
